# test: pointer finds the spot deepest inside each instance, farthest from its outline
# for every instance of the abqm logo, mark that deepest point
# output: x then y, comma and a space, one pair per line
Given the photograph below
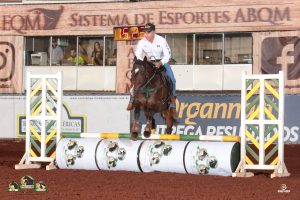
281, 53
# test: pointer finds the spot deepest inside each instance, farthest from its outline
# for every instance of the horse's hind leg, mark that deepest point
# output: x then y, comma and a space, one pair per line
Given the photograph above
169, 122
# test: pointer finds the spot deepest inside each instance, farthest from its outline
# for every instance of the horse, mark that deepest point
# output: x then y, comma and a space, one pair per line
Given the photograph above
151, 93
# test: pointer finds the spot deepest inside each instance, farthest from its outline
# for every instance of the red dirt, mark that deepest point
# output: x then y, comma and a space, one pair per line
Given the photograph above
81, 184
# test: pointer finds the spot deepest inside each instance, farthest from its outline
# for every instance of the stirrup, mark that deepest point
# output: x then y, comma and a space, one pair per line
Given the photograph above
172, 105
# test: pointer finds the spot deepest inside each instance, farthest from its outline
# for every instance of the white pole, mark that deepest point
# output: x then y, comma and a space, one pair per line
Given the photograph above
28, 116
261, 121
243, 118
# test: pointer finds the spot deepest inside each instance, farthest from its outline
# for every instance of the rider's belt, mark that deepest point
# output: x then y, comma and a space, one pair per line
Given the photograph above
156, 60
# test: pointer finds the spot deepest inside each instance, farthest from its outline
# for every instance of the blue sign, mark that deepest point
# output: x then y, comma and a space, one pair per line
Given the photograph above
220, 115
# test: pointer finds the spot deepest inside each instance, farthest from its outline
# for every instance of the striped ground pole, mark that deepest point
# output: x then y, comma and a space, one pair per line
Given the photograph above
178, 137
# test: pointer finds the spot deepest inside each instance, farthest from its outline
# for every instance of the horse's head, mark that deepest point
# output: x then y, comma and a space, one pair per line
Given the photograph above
141, 71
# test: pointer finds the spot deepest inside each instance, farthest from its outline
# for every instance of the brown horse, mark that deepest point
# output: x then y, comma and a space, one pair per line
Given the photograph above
151, 93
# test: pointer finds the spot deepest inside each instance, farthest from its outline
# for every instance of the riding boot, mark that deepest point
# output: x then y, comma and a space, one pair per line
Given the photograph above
130, 104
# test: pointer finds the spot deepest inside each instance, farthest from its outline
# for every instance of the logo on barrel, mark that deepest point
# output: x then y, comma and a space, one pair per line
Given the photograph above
158, 150
204, 162
72, 152
114, 154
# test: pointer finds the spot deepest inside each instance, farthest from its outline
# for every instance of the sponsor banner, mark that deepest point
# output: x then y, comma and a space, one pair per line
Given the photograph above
125, 63
11, 63
100, 18
197, 115
79, 114
278, 51
220, 115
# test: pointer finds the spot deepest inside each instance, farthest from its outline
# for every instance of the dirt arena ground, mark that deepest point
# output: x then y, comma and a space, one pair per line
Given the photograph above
81, 184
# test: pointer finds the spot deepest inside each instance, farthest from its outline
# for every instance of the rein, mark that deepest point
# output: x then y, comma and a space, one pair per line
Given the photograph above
146, 89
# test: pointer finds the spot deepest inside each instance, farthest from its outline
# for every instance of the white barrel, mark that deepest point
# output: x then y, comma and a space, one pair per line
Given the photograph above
164, 156
213, 158
77, 153
118, 154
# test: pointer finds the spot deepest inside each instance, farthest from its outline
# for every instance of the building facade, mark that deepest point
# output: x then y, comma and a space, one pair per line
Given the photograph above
212, 42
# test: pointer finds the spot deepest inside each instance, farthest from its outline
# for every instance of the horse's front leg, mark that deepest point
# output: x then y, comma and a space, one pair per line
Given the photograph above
136, 127
149, 124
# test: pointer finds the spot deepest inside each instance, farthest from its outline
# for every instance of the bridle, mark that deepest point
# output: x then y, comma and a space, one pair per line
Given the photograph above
144, 87
147, 79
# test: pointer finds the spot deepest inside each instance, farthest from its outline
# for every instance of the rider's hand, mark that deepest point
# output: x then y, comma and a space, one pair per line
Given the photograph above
158, 64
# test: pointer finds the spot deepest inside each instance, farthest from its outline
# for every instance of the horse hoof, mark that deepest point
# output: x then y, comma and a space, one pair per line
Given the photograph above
134, 136
169, 131
147, 134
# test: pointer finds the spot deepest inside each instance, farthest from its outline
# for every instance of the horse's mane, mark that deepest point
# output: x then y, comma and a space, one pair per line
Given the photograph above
139, 62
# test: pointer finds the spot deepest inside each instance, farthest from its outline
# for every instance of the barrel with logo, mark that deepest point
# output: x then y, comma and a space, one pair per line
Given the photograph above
213, 158
161, 155
77, 153
118, 154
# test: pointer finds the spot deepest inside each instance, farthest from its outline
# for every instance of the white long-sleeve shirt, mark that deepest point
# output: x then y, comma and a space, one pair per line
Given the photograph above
57, 55
157, 50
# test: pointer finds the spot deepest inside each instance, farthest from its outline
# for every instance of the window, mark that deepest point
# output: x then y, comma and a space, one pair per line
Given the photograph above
110, 51
208, 48
70, 51
36, 51
181, 46
90, 51
62, 50
238, 48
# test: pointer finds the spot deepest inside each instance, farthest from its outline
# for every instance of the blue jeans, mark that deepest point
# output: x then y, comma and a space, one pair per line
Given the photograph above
169, 72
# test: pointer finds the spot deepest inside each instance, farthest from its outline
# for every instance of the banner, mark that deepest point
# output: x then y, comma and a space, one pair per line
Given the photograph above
11, 64
220, 115
94, 114
169, 16
196, 115
124, 63
276, 51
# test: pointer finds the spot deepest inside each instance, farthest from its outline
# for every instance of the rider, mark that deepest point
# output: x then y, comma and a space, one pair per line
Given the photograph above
157, 50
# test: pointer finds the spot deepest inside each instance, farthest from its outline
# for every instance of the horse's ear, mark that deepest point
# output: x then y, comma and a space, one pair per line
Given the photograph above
135, 58
145, 59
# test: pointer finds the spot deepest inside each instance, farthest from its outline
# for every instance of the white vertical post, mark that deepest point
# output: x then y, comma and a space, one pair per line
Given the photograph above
43, 118
261, 121
28, 92
59, 107
243, 119
281, 120
30, 159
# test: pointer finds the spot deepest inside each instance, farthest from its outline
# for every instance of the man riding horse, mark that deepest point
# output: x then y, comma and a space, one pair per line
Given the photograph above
153, 82
157, 50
